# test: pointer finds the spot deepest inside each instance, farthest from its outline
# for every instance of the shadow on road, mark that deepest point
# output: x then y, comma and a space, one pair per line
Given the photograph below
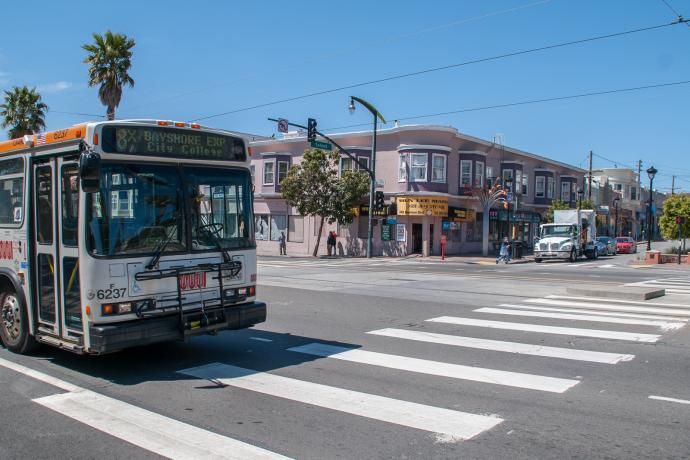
252, 349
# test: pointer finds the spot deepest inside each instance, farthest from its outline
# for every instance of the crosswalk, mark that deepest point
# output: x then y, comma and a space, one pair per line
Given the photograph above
678, 285
526, 322
644, 324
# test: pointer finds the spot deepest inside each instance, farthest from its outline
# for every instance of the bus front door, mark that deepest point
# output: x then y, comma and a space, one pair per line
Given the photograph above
56, 279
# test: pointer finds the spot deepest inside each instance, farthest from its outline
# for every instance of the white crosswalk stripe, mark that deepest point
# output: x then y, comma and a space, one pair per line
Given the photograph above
478, 374
675, 285
612, 307
602, 313
663, 325
454, 424
508, 347
602, 334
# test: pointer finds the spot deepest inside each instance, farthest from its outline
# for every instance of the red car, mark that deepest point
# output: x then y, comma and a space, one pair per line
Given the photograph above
626, 245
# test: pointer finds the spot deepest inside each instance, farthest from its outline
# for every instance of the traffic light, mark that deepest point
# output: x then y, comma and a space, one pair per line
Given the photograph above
378, 200
311, 129
505, 205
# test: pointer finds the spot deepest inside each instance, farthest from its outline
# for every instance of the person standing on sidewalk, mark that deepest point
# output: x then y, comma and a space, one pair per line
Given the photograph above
330, 243
281, 244
504, 252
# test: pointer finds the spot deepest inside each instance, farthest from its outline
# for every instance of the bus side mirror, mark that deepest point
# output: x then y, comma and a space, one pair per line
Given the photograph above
90, 171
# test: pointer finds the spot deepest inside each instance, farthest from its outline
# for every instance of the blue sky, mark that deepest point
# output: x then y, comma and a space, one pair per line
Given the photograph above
195, 59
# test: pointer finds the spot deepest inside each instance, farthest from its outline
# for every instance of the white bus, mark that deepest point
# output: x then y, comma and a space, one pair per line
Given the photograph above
124, 233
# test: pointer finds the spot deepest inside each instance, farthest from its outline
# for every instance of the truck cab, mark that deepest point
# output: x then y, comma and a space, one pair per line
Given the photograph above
570, 237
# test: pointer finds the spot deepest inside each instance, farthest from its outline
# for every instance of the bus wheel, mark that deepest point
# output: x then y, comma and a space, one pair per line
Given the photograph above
14, 327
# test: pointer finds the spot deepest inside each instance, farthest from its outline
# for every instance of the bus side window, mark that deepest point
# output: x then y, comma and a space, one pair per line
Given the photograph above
11, 191
70, 204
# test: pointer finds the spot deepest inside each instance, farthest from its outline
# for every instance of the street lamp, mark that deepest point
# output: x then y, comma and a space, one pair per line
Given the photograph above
651, 172
616, 203
372, 166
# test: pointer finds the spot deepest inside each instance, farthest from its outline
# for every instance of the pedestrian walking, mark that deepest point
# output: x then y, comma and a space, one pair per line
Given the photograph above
504, 252
330, 243
281, 244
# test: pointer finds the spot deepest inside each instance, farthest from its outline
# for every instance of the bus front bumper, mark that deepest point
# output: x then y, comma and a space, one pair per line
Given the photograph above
108, 338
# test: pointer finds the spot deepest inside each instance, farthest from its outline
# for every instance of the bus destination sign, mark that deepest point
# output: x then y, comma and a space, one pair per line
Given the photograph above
172, 142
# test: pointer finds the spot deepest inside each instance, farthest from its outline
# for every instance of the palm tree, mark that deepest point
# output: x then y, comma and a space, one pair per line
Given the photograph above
23, 112
109, 59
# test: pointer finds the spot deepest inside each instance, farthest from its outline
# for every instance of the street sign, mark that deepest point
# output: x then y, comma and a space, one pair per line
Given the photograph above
392, 221
510, 196
321, 145
282, 125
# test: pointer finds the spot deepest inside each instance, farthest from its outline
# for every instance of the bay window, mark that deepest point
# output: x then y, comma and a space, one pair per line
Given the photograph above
479, 174
418, 166
438, 171
539, 186
465, 173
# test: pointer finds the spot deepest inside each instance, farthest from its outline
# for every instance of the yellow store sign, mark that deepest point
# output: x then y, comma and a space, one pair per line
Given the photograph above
435, 206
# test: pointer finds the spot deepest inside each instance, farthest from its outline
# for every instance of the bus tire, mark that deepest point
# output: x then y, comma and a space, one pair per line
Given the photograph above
14, 324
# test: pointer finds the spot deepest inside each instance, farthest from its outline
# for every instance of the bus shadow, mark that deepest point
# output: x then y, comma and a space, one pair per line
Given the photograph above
249, 349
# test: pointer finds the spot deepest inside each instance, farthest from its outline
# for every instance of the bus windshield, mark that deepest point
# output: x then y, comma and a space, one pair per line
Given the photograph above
140, 209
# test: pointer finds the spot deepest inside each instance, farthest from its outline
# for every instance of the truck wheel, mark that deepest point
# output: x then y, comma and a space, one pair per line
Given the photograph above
14, 326
573, 256
537, 261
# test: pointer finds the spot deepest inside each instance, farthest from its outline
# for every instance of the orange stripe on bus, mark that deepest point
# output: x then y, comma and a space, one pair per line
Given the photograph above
14, 144
61, 135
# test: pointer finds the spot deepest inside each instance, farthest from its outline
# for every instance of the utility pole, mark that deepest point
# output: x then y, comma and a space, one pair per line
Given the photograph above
639, 194
673, 185
589, 187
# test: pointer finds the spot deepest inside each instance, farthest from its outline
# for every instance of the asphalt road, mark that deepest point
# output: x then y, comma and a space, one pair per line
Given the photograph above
384, 359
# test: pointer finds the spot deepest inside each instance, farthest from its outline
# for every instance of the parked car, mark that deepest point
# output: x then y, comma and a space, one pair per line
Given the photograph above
610, 243
625, 244
602, 250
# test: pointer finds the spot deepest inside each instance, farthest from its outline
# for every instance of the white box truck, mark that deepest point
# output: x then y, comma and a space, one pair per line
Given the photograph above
571, 236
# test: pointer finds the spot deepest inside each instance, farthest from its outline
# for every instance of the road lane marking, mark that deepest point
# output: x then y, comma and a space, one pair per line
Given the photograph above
140, 427
663, 398
663, 325
458, 425
423, 366
672, 319
148, 430
652, 302
509, 347
611, 307
595, 333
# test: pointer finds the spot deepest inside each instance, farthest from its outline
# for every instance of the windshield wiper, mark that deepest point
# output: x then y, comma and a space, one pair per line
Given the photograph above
161, 248
216, 239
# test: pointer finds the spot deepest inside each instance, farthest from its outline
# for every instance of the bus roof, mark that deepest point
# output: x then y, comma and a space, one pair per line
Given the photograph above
79, 132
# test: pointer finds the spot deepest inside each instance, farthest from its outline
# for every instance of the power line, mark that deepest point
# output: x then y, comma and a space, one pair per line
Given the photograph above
533, 101
351, 49
446, 67
78, 114
680, 16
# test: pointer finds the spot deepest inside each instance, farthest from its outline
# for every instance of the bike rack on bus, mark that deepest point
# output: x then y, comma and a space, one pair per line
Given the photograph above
148, 308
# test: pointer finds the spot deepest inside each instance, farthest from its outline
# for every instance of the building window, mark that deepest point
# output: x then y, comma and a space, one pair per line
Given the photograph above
363, 162
418, 167
508, 174
402, 169
278, 226
618, 187
465, 173
633, 193
438, 170
282, 170
525, 184
518, 181
261, 226
539, 186
252, 170
268, 172
296, 229
479, 174
346, 164
565, 191
490, 176
550, 187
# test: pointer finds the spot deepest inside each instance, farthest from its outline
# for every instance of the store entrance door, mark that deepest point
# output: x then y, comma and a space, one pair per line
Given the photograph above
416, 238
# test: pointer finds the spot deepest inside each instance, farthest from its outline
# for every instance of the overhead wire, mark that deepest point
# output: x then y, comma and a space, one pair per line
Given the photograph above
680, 16
440, 68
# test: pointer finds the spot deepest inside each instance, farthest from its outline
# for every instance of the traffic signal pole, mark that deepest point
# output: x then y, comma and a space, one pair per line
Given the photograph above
370, 171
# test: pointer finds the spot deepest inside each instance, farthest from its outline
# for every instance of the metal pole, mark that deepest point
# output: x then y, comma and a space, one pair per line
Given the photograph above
649, 216
372, 192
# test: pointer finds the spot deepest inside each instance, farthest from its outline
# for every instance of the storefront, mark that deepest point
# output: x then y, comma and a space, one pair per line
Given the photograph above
418, 223
518, 226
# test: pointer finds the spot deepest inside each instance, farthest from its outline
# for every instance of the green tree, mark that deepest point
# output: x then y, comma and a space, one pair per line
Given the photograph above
23, 112
675, 206
109, 59
314, 188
